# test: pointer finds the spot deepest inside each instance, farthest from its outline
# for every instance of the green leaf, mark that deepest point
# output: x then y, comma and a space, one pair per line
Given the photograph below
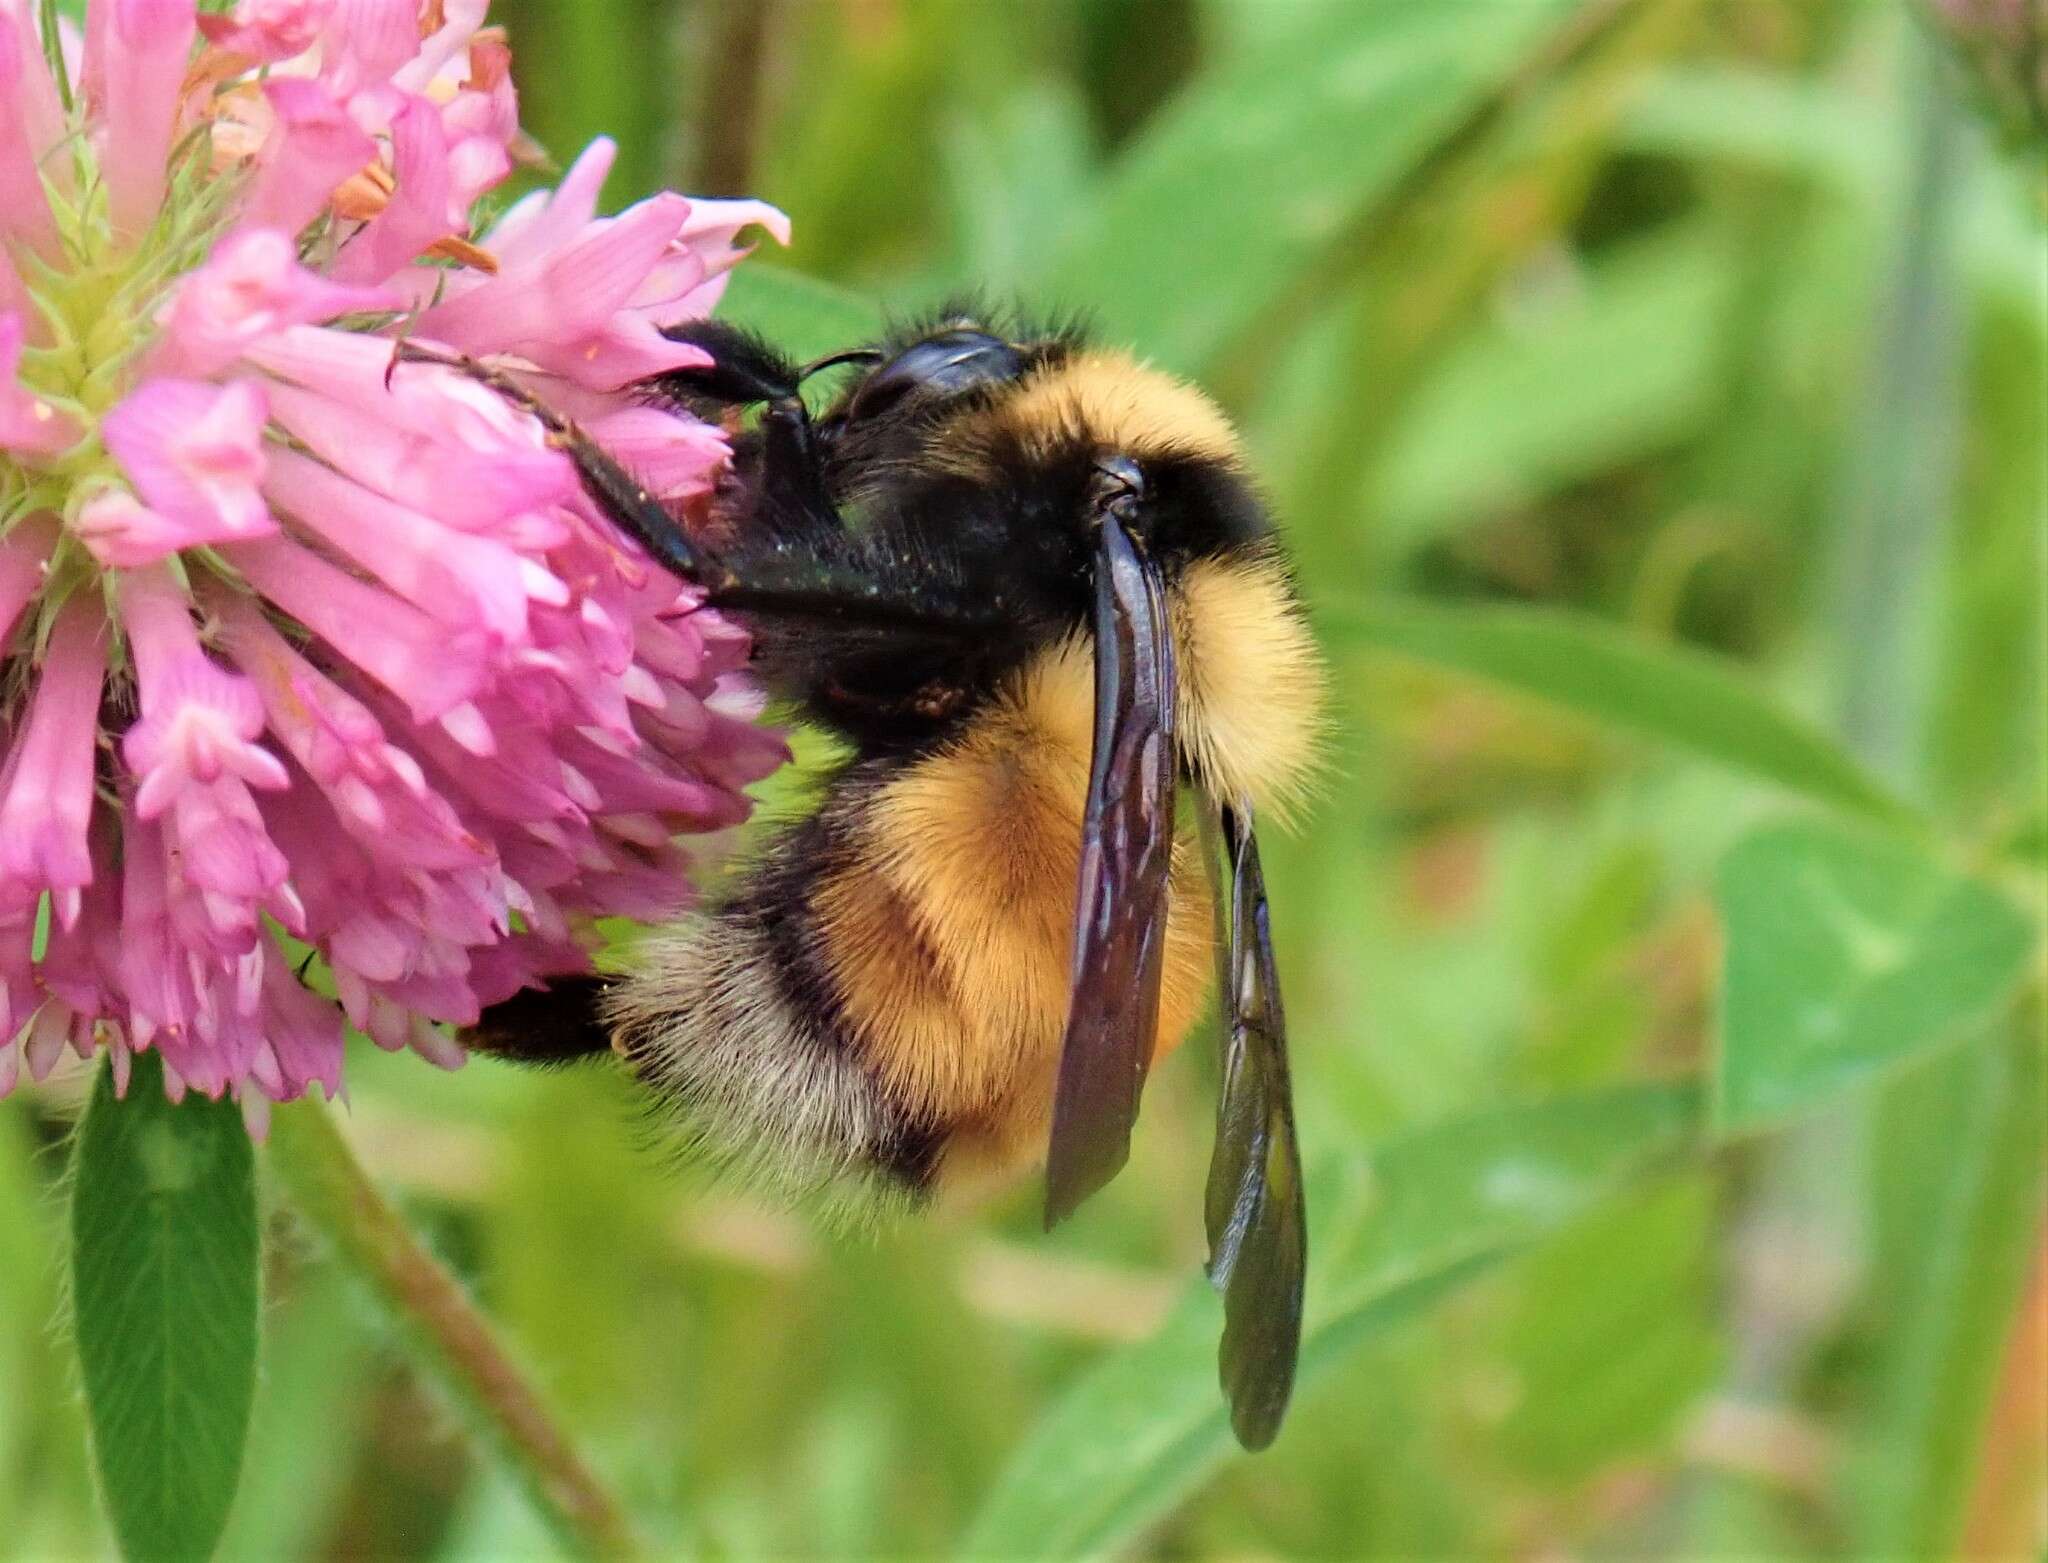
1847, 956
1007, 166
1696, 702
1628, 367
1604, 1373
1437, 1207
164, 1286
801, 315
1274, 155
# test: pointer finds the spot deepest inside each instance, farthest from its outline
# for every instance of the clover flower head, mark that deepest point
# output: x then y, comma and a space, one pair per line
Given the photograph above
308, 652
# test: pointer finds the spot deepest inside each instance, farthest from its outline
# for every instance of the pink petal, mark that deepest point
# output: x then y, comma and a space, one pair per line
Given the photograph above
714, 225
199, 722
302, 1031
622, 352
431, 698
251, 287
314, 146
39, 109
488, 104
82, 963
269, 30
711, 239
418, 212
421, 449
461, 19
376, 789
223, 848
25, 551
401, 648
160, 966
477, 165
457, 576
46, 790
148, 43
195, 453
14, 299
122, 533
44, 1044
544, 221
550, 309
24, 210
91, 71
368, 40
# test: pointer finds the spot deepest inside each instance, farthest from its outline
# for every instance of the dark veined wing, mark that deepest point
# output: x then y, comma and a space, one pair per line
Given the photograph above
1126, 846
1257, 1220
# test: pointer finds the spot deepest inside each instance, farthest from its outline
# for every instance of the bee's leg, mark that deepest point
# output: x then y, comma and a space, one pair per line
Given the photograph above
811, 581
745, 371
792, 469
612, 489
557, 1024
800, 583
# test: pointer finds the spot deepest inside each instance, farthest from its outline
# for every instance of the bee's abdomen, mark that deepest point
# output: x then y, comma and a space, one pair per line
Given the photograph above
949, 930
877, 1008
734, 1022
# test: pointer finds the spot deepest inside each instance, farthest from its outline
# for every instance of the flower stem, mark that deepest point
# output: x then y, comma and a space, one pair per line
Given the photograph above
452, 1338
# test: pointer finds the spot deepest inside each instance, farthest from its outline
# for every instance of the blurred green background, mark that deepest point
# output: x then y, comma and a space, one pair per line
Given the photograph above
1653, 391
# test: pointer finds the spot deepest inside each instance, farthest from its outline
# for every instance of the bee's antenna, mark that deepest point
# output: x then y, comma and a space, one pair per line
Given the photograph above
853, 355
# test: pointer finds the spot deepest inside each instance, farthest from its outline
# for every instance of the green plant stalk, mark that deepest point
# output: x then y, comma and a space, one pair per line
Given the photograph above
1901, 489
1952, 1284
598, 67
451, 1338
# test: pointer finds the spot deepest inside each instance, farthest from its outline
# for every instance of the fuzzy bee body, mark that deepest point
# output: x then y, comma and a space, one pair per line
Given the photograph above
1029, 584
888, 984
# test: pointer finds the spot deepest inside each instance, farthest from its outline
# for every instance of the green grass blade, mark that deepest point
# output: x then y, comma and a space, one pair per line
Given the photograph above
164, 1286
1628, 369
1271, 157
1847, 956
1684, 698
1961, 1186
1145, 1427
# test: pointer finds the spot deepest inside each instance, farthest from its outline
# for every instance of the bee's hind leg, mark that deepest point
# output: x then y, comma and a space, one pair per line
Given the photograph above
557, 1024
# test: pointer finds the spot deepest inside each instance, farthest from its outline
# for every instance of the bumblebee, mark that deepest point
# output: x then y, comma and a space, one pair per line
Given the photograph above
1029, 583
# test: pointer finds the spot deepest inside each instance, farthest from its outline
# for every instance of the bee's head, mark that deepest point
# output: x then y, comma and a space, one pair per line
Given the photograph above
1060, 430
920, 375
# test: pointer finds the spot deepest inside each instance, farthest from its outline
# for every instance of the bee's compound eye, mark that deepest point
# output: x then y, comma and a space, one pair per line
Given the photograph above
948, 362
